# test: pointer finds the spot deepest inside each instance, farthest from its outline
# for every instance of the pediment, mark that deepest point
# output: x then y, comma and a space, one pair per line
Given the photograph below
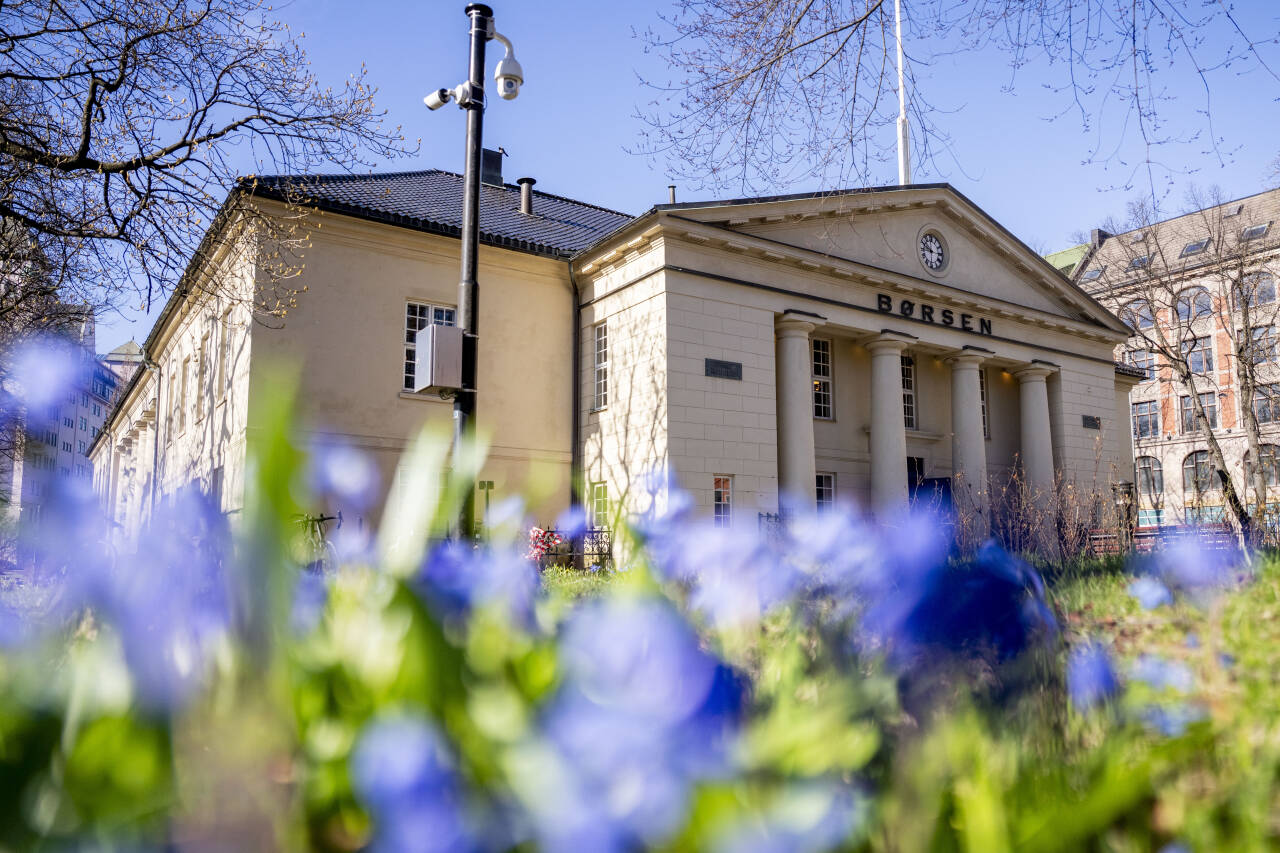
883, 230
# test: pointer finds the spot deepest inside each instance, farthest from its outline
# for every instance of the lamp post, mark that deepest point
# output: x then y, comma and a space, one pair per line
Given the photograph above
470, 97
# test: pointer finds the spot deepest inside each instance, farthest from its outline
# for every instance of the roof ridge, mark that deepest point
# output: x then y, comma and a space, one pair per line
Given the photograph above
1167, 220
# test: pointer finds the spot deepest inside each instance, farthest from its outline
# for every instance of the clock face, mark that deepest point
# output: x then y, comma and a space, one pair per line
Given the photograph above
932, 254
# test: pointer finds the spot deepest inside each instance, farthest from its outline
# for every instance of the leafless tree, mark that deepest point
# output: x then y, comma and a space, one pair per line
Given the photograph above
122, 123
765, 92
1195, 288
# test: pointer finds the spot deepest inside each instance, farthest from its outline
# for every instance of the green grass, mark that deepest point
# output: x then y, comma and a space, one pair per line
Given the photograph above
565, 582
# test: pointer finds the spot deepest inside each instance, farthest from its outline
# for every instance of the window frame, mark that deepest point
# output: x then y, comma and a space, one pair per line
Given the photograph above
722, 499
1150, 474
1187, 307
1202, 470
1151, 417
1203, 346
1187, 412
824, 491
600, 366
1147, 365
432, 313
982, 397
910, 397
598, 506
1269, 456
1247, 234
820, 360
1195, 247
1266, 394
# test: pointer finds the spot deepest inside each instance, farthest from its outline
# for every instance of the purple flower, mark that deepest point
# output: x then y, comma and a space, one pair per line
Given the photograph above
344, 475
1150, 593
401, 769
458, 577
1091, 679
1189, 566
1161, 674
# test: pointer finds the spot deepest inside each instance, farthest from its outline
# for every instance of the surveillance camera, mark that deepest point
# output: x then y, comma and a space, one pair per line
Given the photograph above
437, 99
510, 76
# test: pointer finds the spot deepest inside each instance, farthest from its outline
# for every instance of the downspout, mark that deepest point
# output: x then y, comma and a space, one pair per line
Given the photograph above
575, 452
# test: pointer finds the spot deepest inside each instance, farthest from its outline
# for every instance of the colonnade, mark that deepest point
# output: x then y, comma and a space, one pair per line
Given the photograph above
889, 491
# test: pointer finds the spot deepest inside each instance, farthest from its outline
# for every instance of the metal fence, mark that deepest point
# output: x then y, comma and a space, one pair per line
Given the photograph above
594, 549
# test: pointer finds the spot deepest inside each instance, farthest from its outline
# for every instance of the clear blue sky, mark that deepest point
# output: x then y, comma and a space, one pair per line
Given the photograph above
575, 115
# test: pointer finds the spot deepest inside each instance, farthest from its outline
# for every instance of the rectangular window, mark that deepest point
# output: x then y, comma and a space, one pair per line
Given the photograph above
68, 423
182, 393
1199, 355
1140, 263
84, 422
97, 410
1194, 248
600, 398
1144, 360
1266, 403
202, 376
84, 400
172, 390
1146, 419
1150, 517
224, 353
909, 391
1253, 232
417, 316
822, 398
826, 492
82, 447
1210, 403
599, 507
1094, 274
982, 394
66, 446
1262, 344
722, 499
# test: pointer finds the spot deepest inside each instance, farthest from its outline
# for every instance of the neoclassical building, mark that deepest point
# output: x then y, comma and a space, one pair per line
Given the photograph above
769, 352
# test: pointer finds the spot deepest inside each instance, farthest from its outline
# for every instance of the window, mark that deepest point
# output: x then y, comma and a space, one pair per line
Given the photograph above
598, 509
182, 394
1232, 210
601, 398
1194, 248
1094, 274
417, 316
84, 400
202, 376
1150, 517
1270, 472
1197, 473
722, 499
1255, 289
1266, 403
1146, 419
826, 492
1137, 315
982, 395
173, 404
1194, 303
1140, 263
84, 423
1144, 360
1262, 344
1199, 355
66, 446
68, 423
822, 397
1210, 403
909, 391
82, 447
97, 410
1253, 232
1206, 514
1150, 476
224, 353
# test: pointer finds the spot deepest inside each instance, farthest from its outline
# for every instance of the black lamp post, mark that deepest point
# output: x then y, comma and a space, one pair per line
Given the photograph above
470, 97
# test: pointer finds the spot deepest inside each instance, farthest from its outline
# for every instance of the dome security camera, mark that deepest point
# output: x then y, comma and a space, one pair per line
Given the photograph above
510, 76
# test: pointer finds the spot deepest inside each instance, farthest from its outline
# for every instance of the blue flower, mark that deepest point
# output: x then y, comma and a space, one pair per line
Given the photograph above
1150, 593
1188, 565
1170, 720
1091, 679
44, 370
458, 577
402, 770
342, 474
1161, 674
310, 594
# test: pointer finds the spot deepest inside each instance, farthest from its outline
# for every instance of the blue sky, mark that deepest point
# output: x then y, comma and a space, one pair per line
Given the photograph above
574, 120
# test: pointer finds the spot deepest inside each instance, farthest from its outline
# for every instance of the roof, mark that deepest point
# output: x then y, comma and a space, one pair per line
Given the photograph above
1165, 240
1065, 261
431, 200
130, 351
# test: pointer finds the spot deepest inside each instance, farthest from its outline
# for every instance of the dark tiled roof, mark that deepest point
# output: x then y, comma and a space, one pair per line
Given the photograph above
1130, 370
431, 201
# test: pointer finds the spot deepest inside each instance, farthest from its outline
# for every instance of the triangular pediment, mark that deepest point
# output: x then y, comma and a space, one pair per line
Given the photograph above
886, 229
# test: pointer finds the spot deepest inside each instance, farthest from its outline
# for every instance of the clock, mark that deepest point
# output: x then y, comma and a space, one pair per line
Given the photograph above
932, 253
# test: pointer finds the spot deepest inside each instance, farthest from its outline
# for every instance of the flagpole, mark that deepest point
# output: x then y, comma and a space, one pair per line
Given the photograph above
904, 135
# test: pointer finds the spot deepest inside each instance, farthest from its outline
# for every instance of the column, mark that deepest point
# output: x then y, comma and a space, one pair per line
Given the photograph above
1037, 439
796, 465
888, 429
968, 443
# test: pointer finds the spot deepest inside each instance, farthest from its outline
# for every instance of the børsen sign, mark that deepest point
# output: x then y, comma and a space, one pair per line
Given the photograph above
930, 314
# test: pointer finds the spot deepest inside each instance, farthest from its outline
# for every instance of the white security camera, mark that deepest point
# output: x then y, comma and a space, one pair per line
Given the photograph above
508, 74
437, 99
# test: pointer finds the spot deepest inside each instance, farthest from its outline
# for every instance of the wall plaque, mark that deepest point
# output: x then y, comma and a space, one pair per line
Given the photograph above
723, 369
1091, 421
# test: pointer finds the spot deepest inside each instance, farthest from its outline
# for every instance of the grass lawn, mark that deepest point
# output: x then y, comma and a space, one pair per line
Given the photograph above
565, 582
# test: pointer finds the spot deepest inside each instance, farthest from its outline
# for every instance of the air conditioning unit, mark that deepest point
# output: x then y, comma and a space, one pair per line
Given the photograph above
438, 358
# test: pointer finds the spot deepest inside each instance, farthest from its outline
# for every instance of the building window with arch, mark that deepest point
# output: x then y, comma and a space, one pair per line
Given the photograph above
1197, 474
1194, 303
909, 410
1150, 476
822, 397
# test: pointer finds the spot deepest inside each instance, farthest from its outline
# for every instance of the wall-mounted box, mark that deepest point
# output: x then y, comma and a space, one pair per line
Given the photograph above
438, 358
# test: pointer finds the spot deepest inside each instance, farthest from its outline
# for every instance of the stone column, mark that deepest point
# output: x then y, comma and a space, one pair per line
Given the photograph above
796, 464
968, 443
888, 429
1037, 439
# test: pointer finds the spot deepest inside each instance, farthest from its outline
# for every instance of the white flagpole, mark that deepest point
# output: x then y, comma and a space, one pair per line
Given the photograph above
904, 135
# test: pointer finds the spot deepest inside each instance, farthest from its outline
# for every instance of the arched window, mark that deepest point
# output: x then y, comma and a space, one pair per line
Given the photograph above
1197, 473
1137, 315
1150, 476
1194, 303
1270, 469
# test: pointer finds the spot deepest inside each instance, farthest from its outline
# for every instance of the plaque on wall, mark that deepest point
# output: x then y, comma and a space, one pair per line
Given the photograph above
1092, 421
723, 369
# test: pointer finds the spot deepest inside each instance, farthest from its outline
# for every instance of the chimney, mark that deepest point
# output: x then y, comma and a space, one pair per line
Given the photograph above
1098, 235
526, 195
671, 192
491, 167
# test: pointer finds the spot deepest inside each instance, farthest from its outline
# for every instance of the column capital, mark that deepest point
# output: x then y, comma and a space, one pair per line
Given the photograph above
894, 342
967, 359
794, 326
1034, 372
